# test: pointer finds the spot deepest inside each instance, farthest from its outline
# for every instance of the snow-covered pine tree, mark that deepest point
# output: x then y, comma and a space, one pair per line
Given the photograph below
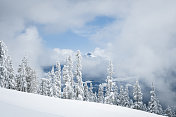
86, 92
79, 88
52, 83
153, 105
7, 77
126, 102
160, 108
58, 80
100, 94
49, 91
52, 78
168, 112
109, 78
34, 82
26, 78
109, 88
42, 90
70, 69
95, 97
65, 75
10, 75
66, 79
69, 63
91, 94
29, 76
121, 96
145, 108
67, 91
3, 59
21, 76
116, 96
137, 96
110, 99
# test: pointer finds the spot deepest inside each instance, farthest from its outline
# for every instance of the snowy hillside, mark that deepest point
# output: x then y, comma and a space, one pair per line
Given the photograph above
21, 104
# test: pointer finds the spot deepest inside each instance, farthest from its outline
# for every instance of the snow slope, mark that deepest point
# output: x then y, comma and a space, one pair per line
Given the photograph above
21, 104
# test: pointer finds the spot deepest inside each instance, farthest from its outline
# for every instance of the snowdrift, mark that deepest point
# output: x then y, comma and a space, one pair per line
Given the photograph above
21, 104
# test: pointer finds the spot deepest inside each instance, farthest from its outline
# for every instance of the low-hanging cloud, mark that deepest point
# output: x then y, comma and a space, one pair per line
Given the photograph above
145, 45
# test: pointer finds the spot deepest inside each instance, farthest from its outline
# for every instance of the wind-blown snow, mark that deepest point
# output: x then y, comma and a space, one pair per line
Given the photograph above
21, 104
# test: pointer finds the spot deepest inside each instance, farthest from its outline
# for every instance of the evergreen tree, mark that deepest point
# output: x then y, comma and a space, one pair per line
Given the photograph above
10, 75
65, 75
68, 90
160, 109
79, 87
7, 77
137, 96
126, 100
121, 96
3, 58
70, 72
95, 97
109, 78
168, 112
110, 99
145, 108
70, 69
49, 91
53, 83
86, 92
26, 78
21, 77
91, 94
43, 87
58, 80
100, 94
31, 80
116, 96
34, 83
109, 88
153, 105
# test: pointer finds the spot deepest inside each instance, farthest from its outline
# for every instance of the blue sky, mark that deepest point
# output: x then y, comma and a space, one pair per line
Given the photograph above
67, 40
72, 40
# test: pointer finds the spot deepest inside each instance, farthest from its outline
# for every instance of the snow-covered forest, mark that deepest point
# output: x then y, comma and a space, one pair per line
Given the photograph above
67, 83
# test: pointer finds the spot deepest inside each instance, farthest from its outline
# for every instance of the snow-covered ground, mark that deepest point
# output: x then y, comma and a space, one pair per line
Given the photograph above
21, 104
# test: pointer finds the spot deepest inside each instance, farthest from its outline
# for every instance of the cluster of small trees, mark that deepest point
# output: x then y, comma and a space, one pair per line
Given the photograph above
121, 97
61, 84
26, 79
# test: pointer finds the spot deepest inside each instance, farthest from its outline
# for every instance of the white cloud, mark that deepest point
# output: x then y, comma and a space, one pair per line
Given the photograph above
144, 44
62, 54
27, 44
94, 66
100, 53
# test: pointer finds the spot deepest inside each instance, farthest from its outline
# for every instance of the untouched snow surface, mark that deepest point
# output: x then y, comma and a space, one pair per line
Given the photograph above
21, 104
